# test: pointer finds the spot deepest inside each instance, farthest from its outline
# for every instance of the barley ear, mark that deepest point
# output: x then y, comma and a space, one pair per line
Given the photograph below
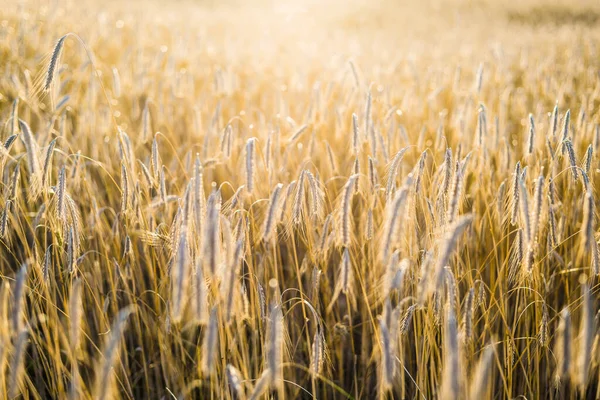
54, 63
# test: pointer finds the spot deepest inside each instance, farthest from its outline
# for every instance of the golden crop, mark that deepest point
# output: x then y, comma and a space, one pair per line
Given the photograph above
299, 199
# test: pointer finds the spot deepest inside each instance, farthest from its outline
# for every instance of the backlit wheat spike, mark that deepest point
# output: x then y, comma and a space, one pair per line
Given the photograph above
451, 287
103, 389
595, 259
54, 62
589, 155
345, 273
127, 249
468, 316
451, 386
288, 193
18, 365
146, 130
563, 345
124, 189
317, 354
566, 126
226, 144
261, 301
394, 215
232, 277
315, 282
393, 171
368, 116
324, 234
10, 141
270, 221
72, 249
297, 134
4, 219
19, 299
126, 147
76, 163
420, 168
237, 197
162, 185
211, 234
275, 344
572, 160
372, 174
554, 120
14, 119
479, 78
550, 149
344, 279
406, 321
481, 125
75, 314
355, 135
346, 211
581, 118
586, 338
298, 206
551, 192
186, 203
395, 274
543, 331
261, 385
388, 357
5, 299
48, 162
480, 298
500, 199
31, 146
481, 377
116, 82
448, 244
587, 226
515, 194
234, 377
455, 194
586, 181
179, 277
531, 137
331, 157
200, 294
316, 199
47, 265
154, 160
536, 212
448, 168
526, 216
354, 71
356, 171
268, 150
199, 206
250, 164
369, 229
14, 183
74, 219
209, 345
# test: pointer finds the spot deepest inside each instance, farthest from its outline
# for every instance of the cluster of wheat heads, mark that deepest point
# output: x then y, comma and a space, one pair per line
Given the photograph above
176, 232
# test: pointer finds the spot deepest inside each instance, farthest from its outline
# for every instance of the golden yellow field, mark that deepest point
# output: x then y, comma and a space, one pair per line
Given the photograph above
299, 199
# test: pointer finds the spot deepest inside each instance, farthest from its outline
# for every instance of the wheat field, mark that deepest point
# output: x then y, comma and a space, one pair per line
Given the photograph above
299, 199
